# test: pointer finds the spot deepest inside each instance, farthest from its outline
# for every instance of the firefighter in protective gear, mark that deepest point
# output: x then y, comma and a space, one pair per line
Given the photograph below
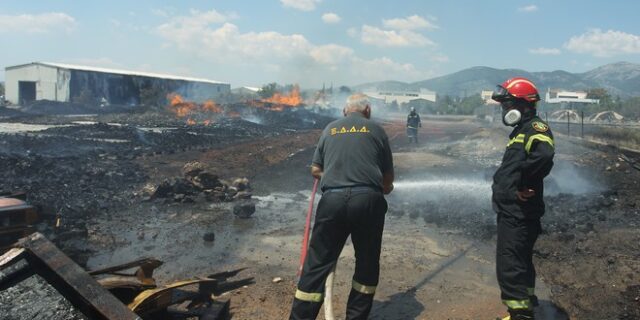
413, 123
518, 194
354, 162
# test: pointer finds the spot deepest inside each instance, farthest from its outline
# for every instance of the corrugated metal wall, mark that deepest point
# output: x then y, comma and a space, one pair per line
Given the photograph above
57, 84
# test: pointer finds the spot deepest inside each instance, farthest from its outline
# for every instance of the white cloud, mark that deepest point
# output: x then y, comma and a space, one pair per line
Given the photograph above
529, 8
331, 18
208, 36
391, 38
37, 23
545, 51
303, 5
331, 54
409, 23
385, 68
604, 44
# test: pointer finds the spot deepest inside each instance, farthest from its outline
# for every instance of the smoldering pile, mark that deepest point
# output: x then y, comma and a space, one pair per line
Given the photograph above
199, 185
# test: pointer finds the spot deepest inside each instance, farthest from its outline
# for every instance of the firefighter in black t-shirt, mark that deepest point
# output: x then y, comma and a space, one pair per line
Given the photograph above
518, 194
413, 123
353, 160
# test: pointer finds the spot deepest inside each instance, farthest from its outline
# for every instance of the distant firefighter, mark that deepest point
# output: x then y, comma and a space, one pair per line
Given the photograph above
413, 123
517, 194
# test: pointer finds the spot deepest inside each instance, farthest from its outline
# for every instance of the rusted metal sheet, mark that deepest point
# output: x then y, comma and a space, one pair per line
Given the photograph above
16, 219
77, 286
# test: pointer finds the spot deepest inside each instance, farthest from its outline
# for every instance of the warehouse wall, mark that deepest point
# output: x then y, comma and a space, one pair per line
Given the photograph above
49, 84
65, 85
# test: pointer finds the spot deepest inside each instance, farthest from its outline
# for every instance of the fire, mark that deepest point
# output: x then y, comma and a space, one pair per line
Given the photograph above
281, 100
192, 110
178, 106
211, 106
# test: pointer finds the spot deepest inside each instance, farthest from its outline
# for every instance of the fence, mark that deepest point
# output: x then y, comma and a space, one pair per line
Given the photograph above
616, 133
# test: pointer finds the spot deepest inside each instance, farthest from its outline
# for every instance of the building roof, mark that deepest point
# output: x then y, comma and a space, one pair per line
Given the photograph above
115, 71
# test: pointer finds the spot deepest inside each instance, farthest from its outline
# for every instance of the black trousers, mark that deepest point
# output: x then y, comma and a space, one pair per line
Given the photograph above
358, 212
514, 260
412, 133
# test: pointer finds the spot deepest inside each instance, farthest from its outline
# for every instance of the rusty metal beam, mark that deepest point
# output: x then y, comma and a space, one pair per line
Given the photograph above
84, 292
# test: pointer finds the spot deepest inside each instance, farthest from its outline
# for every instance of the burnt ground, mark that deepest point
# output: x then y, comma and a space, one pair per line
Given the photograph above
438, 246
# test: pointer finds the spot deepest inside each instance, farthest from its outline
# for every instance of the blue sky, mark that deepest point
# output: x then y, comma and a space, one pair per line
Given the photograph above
311, 42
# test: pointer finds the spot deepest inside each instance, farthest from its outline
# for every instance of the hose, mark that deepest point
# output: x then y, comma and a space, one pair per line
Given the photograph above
307, 227
328, 296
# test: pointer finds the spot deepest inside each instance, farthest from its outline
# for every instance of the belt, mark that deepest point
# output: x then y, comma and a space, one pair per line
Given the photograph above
356, 189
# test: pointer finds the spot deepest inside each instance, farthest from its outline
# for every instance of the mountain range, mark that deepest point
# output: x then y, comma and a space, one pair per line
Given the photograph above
619, 79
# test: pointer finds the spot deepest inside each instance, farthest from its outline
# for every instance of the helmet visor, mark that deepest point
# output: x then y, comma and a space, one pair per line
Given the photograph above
501, 94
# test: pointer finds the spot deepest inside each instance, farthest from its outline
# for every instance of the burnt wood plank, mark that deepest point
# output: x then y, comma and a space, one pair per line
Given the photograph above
84, 292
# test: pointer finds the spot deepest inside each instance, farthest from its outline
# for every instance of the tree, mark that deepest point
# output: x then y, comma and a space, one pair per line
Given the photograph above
344, 89
445, 105
468, 104
268, 90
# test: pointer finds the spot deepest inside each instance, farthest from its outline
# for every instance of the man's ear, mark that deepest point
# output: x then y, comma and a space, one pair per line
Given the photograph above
367, 111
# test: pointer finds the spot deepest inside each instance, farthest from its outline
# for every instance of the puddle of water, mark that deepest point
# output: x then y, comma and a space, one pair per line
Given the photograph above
176, 237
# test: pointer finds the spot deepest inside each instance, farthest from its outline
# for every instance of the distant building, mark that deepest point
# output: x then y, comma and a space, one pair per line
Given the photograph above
246, 90
401, 97
63, 82
564, 96
486, 96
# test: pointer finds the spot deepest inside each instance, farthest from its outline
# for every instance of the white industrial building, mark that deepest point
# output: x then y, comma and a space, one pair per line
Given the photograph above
565, 96
63, 82
401, 97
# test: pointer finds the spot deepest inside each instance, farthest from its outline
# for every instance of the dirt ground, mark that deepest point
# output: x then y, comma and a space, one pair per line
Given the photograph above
439, 239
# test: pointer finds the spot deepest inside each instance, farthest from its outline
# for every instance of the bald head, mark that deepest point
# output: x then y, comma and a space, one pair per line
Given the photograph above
358, 103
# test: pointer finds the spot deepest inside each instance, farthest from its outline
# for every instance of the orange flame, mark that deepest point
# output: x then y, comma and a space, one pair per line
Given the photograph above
191, 110
178, 106
211, 106
281, 100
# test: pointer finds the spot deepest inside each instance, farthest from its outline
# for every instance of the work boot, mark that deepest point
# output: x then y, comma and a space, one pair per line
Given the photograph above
519, 314
534, 300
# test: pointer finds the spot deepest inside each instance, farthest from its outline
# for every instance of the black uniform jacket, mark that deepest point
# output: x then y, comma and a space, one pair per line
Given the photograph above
413, 120
527, 160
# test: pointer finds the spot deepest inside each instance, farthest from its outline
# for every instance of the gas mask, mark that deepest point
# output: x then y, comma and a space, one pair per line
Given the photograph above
511, 117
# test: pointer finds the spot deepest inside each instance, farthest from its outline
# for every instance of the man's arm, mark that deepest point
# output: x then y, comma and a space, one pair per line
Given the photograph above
387, 182
387, 166
316, 171
317, 164
540, 152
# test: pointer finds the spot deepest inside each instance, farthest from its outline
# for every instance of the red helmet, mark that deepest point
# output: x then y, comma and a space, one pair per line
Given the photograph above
518, 87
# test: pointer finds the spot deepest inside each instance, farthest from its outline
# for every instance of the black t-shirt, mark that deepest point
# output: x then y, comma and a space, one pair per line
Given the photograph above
353, 151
